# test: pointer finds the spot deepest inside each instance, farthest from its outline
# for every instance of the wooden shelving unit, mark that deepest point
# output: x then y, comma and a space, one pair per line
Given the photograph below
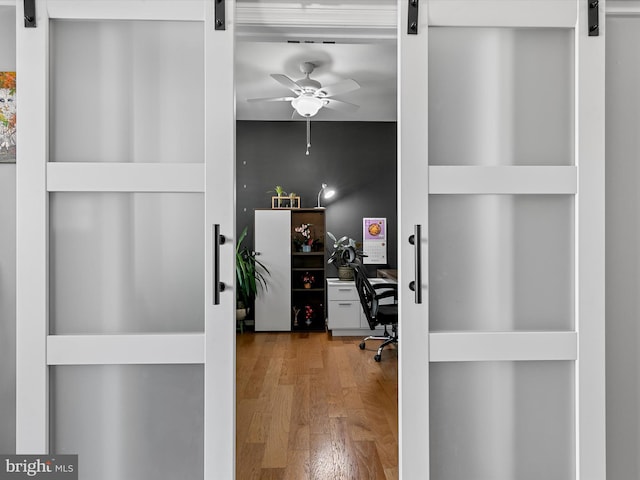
308, 311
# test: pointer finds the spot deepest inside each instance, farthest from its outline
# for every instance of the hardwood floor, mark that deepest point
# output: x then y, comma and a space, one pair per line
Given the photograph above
314, 407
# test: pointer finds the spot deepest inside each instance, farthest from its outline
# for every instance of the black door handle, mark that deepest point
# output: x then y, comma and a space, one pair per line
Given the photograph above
218, 286
416, 285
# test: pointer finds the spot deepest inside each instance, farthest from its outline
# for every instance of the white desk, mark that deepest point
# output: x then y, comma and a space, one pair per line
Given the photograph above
344, 314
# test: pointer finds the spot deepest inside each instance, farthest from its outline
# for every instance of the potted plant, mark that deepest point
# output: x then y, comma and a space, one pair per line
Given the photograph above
309, 314
308, 280
250, 277
279, 195
344, 253
278, 190
305, 232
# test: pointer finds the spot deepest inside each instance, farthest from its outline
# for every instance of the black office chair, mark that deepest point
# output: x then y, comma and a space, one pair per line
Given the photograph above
377, 314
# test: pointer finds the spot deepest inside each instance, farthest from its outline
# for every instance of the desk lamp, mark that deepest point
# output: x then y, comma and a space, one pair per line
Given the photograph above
328, 193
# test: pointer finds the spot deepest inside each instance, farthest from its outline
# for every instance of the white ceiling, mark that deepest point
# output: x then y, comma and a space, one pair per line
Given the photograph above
372, 66
364, 50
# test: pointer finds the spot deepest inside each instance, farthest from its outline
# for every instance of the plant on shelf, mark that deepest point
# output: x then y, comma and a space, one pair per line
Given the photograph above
279, 191
308, 314
305, 240
344, 253
250, 276
279, 195
308, 280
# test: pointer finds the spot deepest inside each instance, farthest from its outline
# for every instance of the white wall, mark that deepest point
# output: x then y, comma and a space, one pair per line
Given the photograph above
7, 257
623, 247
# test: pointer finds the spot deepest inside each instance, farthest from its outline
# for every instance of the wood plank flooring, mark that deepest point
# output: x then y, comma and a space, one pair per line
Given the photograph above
313, 407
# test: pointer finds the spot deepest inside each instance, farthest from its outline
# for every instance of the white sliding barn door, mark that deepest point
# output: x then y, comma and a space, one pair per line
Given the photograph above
502, 186
125, 351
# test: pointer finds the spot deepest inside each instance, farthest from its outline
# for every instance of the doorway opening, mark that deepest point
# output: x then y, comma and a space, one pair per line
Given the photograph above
309, 402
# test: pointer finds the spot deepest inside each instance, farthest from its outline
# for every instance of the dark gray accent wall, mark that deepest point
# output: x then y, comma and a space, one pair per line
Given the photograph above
358, 159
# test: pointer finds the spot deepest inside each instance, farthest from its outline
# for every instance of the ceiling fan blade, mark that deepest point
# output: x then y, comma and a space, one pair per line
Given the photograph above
340, 106
344, 86
271, 99
287, 82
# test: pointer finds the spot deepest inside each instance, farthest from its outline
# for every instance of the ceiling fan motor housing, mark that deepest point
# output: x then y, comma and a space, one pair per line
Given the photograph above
307, 67
309, 85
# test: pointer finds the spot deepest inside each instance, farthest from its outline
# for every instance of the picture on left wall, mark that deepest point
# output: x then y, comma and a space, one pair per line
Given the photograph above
7, 117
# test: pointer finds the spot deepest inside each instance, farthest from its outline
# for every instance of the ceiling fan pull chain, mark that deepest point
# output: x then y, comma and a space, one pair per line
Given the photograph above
308, 134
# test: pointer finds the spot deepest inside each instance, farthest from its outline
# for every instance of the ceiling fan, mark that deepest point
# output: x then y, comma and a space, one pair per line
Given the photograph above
311, 96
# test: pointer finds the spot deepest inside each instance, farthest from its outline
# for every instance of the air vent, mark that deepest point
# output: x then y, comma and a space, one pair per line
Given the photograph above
332, 42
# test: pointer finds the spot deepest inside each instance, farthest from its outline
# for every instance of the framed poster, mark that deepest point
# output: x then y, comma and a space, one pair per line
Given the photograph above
7, 117
374, 245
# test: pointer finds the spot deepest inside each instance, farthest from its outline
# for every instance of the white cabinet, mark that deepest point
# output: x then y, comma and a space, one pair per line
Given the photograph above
295, 295
273, 244
345, 315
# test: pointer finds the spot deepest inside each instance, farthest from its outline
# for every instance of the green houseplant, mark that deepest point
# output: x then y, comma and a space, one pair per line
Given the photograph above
280, 194
279, 191
344, 253
250, 277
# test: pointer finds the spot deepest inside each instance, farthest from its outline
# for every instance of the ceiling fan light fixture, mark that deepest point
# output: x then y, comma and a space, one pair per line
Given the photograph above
307, 106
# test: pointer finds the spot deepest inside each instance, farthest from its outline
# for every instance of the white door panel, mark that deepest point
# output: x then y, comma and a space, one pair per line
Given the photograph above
129, 174
124, 177
501, 173
185, 10
502, 13
502, 180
